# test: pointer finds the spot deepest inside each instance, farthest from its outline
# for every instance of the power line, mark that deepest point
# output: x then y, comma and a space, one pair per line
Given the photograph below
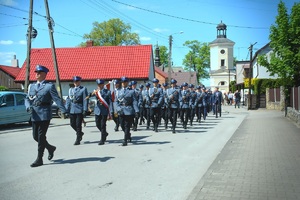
113, 12
43, 16
186, 19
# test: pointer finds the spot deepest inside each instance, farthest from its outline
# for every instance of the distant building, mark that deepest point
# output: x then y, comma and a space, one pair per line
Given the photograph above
93, 62
8, 75
222, 71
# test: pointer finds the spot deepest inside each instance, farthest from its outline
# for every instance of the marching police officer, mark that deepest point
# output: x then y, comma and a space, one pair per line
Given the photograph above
165, 106
185, 104
116, 116
146, 100
156, 100
193, 96
78, 105
38, 102
127, 108
217, 99
103, 109
139, 100
173, 99
141, 105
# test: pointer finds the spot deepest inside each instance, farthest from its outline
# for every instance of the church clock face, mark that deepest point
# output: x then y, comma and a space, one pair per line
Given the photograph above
222, 51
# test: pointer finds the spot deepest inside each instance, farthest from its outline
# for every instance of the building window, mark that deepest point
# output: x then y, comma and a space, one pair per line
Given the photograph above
222, 83
222, 62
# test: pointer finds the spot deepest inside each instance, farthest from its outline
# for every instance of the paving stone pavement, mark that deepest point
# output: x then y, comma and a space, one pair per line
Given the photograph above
260, 161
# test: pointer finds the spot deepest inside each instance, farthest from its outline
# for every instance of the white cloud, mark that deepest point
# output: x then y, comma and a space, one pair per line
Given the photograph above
145, 38
23, 42
6, 57
9, 2
6, 42
159, 30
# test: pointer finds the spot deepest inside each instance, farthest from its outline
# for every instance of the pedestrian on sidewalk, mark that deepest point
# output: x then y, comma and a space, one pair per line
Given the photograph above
237, 96
38, 102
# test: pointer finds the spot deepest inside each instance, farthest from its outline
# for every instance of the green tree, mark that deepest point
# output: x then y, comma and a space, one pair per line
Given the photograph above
113, 32
285, 43
198, 58
163, 55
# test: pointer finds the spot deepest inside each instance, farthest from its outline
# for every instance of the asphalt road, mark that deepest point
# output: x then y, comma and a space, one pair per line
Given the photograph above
155, 166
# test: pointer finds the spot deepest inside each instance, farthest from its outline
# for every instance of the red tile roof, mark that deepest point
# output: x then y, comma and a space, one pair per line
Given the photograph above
106, 62
161, 72
12, 71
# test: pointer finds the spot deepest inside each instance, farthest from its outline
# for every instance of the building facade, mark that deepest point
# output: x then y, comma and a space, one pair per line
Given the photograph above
222, 71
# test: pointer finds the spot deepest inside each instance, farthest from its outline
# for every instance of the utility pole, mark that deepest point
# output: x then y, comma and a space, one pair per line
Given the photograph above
50, 27
250, 76
170, 58
28, 47
191, 69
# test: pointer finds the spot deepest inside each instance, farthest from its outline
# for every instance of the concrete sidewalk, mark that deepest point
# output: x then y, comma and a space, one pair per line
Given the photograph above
260, 161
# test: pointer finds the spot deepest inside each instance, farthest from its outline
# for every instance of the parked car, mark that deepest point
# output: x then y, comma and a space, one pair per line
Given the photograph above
12, 108
56, 111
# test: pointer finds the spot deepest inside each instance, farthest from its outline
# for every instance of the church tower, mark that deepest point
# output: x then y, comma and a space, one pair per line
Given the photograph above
221, 60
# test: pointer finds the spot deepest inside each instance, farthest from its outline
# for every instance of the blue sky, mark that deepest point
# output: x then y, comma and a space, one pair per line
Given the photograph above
248, 21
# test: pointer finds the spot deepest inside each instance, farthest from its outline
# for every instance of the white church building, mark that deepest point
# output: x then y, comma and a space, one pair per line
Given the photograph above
222, 71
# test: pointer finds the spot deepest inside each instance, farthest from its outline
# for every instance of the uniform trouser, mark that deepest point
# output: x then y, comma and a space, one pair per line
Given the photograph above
192, 114
164, 115
147, 116
76, 123
39, 130
185, 113
172, 114
101, 123
202, 111
142, 114
126, 122
154, 114
116, 120
217, 109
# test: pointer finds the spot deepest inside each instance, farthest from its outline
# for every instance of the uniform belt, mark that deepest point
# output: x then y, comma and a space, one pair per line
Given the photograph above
125, 104
42, 104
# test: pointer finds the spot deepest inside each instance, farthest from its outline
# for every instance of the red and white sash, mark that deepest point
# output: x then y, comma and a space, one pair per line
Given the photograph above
102, 100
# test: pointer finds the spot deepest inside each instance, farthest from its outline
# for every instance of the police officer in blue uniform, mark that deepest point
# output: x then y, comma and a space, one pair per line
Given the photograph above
38, 102
139, 100
156, 100
127, 108
116, 116
173, 99
217, 99
185, 104
165, 106
146, 100
78, 105
103, 109
193, 96
141, 105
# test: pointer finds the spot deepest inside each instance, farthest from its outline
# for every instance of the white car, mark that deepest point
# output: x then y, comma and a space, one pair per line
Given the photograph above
12, 108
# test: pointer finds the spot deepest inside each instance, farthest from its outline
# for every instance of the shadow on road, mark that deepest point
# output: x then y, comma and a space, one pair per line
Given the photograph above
79, 160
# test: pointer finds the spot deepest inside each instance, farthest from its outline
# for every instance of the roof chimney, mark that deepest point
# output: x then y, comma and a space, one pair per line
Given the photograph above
15, 62
89, 43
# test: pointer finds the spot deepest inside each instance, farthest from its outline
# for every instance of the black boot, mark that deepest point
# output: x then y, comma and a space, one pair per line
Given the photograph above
117, 128
39, 161
78, 139
125, 140
156, 128
51, 150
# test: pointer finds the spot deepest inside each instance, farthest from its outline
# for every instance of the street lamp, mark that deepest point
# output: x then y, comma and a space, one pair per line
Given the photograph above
170, 55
